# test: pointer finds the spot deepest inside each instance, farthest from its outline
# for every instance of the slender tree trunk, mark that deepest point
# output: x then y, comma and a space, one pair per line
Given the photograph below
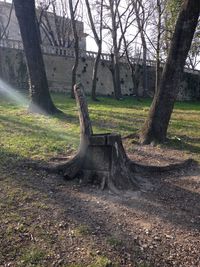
158, 46
75, 66
157, 67
98, 40
94, 74
117, 89
134, 75
111, 68
76, 45
144, 64
155, 127
132, 66
135, 78
40, 97
115, 61
139, 11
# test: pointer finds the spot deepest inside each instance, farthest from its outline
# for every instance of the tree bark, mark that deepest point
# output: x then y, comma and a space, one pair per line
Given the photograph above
94, 74
135, 74
116, 69
41, 101
155, 127
98, 40
140, 18
76, 44
117, 89
160, 11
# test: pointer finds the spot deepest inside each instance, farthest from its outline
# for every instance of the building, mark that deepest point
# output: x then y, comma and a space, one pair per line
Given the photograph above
54, 30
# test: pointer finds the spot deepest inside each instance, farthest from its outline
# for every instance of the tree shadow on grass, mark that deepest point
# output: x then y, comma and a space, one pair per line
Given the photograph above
107, 215
67, 117
156, 158
170, 197
184, 143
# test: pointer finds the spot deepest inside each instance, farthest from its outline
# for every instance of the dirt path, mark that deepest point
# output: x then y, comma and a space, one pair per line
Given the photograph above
46, 221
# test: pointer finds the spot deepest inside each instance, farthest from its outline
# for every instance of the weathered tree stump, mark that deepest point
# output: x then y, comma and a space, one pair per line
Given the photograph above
101, 157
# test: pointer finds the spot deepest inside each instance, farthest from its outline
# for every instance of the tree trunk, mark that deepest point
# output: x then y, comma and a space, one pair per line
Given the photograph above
98, 40
75, 66
135, 78
158, 45
157, 67
115, 59
144, 64
140, 19
76, 45
134, 67
155, 127
94, 74
41, 101
117, 84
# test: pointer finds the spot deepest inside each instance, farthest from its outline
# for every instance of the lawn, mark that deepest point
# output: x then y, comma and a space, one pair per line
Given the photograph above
39, 137
46, 221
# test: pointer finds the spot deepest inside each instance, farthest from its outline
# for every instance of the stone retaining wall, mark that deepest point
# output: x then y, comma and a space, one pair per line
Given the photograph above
58, 68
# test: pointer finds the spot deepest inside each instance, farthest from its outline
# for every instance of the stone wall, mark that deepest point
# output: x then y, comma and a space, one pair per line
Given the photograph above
58, 68
13, 31
13, 67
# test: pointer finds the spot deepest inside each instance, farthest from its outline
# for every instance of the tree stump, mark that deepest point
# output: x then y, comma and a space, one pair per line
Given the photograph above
101, 157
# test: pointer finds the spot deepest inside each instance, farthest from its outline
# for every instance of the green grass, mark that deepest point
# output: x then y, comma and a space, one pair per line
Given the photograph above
32, 257
39, 137
25, 136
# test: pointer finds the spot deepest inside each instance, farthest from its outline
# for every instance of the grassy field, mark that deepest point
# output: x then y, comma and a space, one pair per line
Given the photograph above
35, 226
39, 137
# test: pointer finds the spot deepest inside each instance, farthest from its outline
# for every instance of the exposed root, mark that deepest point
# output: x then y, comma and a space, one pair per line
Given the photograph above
72, 167
170, 167
122, 180
103, 160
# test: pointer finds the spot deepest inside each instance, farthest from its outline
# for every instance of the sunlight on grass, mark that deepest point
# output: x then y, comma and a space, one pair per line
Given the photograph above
25, 135
9, 93
35, 136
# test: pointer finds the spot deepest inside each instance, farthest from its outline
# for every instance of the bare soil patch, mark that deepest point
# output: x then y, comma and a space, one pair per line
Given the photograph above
47, 221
